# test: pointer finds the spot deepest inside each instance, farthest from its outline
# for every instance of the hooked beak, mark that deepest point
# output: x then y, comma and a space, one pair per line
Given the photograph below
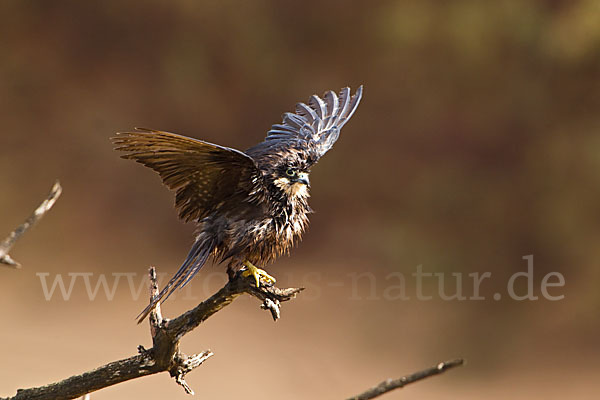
303, 178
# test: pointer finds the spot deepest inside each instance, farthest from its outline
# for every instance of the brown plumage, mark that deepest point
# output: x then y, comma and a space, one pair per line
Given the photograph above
250, 207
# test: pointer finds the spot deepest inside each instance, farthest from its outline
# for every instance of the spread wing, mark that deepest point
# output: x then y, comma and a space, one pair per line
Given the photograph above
314, 127
205, 176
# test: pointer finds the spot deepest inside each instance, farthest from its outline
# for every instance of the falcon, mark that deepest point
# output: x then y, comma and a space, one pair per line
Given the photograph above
249, 206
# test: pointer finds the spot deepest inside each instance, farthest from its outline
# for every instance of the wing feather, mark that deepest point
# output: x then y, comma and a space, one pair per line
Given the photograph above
204, 176
332, 105
319, 106
308, 113
315, 127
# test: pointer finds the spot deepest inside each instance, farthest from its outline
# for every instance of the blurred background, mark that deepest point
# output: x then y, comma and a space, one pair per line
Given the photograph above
476, 144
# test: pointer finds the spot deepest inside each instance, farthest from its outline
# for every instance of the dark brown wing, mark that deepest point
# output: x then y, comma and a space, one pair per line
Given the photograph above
205, 176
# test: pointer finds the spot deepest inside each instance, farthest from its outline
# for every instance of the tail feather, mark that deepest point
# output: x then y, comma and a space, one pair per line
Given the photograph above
194, 261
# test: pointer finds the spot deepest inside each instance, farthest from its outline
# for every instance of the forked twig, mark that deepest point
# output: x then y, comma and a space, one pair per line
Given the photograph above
8, 243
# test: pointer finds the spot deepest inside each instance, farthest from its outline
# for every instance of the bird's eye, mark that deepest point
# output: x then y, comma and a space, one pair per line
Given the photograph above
290, 172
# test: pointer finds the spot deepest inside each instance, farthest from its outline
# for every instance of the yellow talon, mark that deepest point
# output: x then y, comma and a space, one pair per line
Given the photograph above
257, 273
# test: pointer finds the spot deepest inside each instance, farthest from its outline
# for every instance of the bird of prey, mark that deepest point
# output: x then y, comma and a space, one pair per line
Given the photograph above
251, 206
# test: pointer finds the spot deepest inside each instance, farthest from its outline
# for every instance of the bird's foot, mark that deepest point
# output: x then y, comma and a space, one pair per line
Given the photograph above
257, 273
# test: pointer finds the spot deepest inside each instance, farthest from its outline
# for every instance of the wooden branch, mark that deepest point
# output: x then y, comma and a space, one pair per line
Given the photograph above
7, 244
164, 356
391, 384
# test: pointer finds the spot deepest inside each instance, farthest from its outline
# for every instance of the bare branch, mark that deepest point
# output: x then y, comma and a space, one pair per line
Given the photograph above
271, 297
391, 384
39, 212
164, 356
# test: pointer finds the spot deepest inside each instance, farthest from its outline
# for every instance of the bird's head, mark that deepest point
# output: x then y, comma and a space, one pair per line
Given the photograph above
291, 177
293, 182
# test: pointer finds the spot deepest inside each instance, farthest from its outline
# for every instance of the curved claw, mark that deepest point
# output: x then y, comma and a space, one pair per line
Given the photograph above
257, 273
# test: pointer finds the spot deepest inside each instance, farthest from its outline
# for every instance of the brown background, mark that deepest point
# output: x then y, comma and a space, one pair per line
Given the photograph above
476, 144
